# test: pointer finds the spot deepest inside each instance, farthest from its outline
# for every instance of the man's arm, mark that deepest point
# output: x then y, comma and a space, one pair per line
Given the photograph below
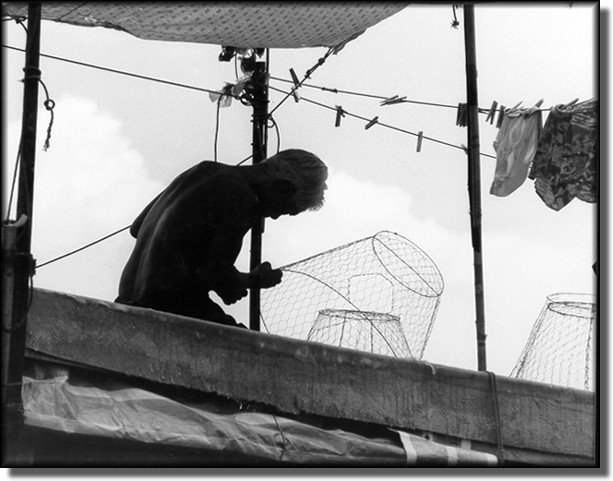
235, 209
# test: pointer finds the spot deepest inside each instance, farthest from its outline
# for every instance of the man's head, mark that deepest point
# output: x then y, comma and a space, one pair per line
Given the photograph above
301, 179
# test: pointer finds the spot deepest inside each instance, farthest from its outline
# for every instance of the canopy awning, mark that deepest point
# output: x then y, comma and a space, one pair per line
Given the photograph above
236, 24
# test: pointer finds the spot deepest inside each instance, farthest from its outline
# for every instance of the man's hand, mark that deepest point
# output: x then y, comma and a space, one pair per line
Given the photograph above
265, 276
233, 295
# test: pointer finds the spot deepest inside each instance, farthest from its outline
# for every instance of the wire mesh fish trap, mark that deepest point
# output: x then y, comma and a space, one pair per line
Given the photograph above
379, 294
560, 347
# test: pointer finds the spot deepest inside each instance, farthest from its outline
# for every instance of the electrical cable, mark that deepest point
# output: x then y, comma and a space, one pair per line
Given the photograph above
121, 72
84, 247
216, 128
276, 127
245, 160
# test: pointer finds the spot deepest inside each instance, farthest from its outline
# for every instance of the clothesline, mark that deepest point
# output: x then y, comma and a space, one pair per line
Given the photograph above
342, 113
385, 100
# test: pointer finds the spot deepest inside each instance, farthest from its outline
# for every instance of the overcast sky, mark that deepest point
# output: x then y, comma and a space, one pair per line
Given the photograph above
117, 141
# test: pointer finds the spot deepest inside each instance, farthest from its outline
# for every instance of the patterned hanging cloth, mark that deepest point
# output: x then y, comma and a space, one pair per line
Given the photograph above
565, 163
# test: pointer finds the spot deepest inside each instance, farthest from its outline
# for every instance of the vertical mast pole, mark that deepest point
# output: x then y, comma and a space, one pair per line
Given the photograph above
474, 179
18, 265
259, 146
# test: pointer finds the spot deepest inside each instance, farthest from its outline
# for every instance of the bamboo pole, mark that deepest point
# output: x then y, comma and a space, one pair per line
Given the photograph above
474, 180
18, 265
259, 149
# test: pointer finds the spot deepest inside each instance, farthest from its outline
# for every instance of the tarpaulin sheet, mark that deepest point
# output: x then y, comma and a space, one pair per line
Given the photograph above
139, 415
236, 24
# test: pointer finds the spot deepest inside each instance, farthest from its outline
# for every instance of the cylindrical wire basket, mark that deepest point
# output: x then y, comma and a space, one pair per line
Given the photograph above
365, 331
560, 347
382, 280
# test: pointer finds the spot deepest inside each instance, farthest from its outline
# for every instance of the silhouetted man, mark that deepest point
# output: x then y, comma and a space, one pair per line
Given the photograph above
189, 236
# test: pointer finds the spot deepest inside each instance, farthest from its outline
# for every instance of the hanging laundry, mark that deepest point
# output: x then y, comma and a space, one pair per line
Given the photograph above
515, 147
565, 163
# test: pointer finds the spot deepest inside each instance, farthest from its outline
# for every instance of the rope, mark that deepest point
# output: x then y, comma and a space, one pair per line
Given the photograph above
499, 444
85, 246
49, 105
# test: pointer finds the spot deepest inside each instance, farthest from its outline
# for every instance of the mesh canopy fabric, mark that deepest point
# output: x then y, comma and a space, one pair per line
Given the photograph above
236, 24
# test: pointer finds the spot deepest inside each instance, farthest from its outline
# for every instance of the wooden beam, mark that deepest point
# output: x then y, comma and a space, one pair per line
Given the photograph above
304, 377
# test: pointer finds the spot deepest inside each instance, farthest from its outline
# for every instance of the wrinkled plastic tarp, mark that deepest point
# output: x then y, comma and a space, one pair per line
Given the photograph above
136, 414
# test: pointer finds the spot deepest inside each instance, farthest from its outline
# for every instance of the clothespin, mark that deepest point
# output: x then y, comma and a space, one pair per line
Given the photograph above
515, 107
492, 113
371, 123
393, 100
461, 119
292, 72
500, 116
295, 93
572, 102
534, 108
420, 138
339, 113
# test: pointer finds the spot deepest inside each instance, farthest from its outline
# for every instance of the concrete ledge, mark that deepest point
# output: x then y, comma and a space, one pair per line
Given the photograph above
298, 376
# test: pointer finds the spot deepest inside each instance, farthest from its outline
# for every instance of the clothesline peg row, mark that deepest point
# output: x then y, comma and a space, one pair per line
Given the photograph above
371, 123
420, 138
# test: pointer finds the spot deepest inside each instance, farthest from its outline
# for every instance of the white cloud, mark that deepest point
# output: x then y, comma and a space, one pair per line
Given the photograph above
89, 183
